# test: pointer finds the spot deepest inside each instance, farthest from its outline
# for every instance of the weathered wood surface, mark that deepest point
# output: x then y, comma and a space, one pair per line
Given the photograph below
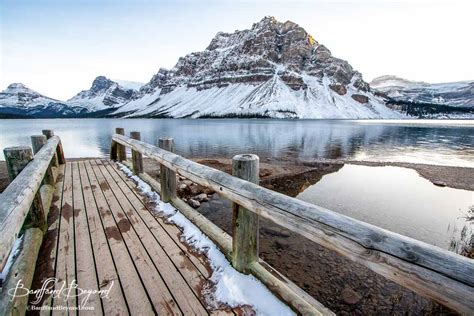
107, 224
167, 176
121, 150
137, 158
244, 222
49, 133
21, 271
19, 196
279, 284
37, 142
428, 270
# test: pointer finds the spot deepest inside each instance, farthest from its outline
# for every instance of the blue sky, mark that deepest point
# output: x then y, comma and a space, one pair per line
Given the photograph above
59, 47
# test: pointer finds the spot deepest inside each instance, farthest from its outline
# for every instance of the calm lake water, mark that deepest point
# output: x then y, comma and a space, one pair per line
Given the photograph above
397, 199
434, 142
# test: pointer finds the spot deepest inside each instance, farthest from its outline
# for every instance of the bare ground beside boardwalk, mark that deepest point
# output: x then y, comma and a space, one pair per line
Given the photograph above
345, 287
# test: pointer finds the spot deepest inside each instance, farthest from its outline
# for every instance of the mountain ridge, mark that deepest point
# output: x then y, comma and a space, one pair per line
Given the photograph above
272, 70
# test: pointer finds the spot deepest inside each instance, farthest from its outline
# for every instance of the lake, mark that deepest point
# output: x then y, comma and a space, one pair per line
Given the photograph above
420, 141
397, 199
393, 198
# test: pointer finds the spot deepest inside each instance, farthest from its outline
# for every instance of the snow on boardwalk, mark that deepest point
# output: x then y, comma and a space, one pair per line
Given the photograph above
120, 250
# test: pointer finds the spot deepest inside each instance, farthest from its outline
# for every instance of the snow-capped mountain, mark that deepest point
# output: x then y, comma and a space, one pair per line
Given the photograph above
104, 94
17, 100
273, 69
456, 94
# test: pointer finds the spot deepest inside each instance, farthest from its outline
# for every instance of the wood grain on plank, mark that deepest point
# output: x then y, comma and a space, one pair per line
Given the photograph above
172, 230
85, 264
179, 272
106, 272
159, 294
135, 295
65, 257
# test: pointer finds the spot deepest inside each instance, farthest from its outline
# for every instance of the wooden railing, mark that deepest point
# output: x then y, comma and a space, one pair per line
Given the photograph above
24, 207
430, 271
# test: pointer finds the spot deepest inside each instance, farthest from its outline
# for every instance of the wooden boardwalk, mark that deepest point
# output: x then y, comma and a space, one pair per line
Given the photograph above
102, 235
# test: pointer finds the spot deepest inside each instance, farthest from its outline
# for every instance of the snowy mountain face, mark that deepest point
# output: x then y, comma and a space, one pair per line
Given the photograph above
272, 70
459, 94
19, 101
104, 94
453, 99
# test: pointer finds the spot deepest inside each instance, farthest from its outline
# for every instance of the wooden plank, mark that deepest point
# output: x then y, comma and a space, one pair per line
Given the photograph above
174, 233
171, 229
428, 270
21, 272
46, 263
38, 141
106, 271
179, 260
19, 195
136, 297
85, 260
49, 133
183, 295
160, 296
65, 257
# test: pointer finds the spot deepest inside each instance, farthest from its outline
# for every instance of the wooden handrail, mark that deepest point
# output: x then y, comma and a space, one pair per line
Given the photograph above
18, 197
428, 270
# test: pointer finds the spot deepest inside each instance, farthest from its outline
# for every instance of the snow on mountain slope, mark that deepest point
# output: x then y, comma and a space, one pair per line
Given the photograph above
134, 85
17, 99
273, 70
455, 94
18, 95
103, 94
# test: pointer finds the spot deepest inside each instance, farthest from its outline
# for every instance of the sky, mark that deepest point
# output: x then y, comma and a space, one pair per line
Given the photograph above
57, 47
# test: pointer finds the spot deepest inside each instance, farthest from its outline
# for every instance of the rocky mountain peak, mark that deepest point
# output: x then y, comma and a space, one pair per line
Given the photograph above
104, 93
17, 86
22, 92
269, 48
101, 83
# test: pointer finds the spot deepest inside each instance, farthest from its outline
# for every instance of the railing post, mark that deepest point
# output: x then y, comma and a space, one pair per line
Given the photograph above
38, 141
137, 158
244, 222
121, 153
113, 150
167, 177
16, 159
49, 133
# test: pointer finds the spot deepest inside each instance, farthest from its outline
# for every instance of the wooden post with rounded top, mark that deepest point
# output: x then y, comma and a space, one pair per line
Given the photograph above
137, 158
121, 153
38, 141
244, 223
49, 133
17, 158
167, 177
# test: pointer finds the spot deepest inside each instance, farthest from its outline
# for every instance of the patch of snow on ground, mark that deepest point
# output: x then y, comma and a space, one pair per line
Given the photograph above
231, 287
